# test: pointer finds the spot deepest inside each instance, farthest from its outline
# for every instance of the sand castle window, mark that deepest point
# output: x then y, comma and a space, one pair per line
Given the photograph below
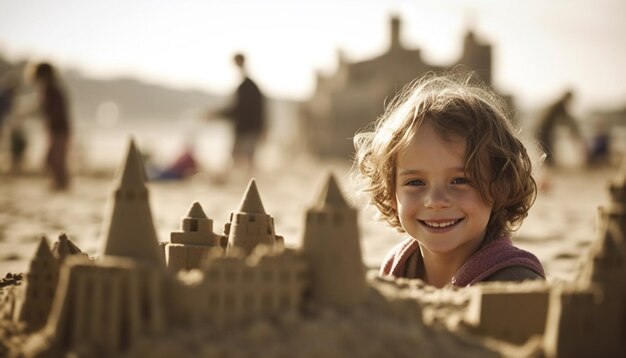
252, 219
193, 225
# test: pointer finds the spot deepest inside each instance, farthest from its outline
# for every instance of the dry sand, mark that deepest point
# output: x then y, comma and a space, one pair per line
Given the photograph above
558, 230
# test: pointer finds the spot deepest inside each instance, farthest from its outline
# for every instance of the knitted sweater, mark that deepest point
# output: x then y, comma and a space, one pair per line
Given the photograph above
404, 260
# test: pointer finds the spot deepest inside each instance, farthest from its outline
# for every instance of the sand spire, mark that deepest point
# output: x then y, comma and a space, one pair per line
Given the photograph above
40, 286
196, 211
64, 247
251, 201
43, 250
330, 195
129, 231
132, 175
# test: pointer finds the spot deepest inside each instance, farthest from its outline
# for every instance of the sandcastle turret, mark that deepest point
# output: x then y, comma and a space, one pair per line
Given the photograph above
188, 247
607, 257
331, 245
64, 247
250, 226
129, 230
109, 303
103, 307
41, 283
592, 322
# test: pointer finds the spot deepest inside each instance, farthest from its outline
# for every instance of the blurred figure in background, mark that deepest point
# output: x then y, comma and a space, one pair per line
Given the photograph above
13, 123
8, 87
54, 109
247, 112
184, 165
599, 147
556, 114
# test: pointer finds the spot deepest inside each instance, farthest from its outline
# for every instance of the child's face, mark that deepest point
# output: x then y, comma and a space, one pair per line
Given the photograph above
436, 203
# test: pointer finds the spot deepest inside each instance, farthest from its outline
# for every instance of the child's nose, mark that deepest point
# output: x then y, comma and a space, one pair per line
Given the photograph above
436, 199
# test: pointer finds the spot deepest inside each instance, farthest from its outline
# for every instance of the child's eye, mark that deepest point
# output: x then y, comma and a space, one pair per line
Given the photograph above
460, 180
414, 182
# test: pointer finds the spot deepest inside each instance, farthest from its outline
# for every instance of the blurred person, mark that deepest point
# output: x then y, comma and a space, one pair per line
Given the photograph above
53, 105
184, 166
8, 90
444, 166
247, 112
18, 144
556, 114
599, 148
9, 120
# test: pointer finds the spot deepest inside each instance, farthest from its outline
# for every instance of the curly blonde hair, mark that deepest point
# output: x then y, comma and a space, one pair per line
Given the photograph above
458, 106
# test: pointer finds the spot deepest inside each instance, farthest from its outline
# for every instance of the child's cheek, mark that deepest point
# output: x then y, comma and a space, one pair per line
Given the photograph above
407, 197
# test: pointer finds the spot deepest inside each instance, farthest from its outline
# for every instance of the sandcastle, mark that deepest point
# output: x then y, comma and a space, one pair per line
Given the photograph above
143, 297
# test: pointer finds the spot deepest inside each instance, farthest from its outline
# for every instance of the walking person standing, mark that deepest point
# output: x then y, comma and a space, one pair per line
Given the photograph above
247, 112
556, 114
54, 108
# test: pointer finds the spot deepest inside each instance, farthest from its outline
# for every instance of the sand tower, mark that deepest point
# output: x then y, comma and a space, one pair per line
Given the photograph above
331, 245
111, 302
41, 283
64, 247
593, 322
129, 231
188, 247
607, 258
250, 226
102, 308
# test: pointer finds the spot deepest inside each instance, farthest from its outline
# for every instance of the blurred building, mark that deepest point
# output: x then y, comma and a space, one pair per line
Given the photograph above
355, 95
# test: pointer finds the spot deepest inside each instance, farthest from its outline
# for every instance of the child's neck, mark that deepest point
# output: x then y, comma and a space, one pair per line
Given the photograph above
440, 268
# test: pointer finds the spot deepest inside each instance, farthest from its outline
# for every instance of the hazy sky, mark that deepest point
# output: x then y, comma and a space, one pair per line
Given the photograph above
540, 46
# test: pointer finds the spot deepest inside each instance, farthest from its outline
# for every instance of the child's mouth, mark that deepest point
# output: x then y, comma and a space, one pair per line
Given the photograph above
440, 225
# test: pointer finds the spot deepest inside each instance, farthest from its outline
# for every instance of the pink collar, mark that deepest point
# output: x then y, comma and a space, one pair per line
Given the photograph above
487, 260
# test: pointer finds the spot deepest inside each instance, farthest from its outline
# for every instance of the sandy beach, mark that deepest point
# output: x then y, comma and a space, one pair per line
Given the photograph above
558, 230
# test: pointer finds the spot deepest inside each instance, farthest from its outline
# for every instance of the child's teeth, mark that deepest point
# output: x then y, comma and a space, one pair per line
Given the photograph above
440, 224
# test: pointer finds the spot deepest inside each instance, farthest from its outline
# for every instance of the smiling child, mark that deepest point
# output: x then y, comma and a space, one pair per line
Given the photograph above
444, 165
